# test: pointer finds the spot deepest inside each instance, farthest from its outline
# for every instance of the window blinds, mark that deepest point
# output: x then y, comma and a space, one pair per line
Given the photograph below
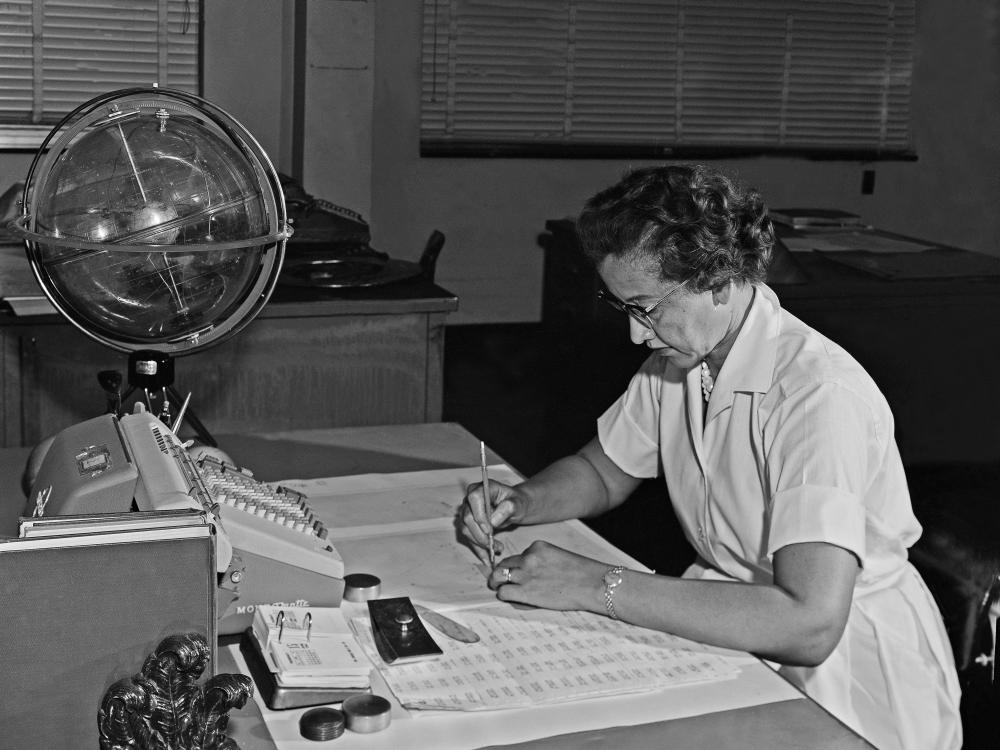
58, 54
666, 77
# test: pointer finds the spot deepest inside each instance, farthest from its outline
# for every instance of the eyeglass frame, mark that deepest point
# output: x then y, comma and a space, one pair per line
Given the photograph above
634, 311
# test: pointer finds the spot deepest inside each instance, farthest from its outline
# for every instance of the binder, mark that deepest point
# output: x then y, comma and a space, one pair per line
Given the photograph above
83, 610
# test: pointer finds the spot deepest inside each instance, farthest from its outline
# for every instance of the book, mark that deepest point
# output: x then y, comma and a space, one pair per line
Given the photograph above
803, 218
100, 523
82, 611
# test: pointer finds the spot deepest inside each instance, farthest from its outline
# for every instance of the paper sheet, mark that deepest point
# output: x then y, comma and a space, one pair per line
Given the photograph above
404, 529
387, 501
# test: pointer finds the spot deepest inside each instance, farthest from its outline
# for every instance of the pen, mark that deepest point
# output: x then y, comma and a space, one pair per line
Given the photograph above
487, 499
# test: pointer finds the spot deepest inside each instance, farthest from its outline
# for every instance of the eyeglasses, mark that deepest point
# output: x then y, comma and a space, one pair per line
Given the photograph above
635, 311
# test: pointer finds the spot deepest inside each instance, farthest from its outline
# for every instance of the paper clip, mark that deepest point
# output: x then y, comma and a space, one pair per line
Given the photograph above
281, 624
309, 624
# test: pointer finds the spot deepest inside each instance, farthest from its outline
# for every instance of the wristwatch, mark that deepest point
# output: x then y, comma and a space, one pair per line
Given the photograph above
612, 580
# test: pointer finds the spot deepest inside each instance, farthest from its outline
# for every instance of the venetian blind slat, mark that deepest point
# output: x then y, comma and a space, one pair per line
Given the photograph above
585, 70
90, 47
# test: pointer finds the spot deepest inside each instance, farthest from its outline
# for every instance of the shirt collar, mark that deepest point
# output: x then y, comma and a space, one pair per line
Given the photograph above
749, 366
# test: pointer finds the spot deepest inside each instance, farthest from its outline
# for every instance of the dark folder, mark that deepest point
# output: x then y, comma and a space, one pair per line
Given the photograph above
81, 612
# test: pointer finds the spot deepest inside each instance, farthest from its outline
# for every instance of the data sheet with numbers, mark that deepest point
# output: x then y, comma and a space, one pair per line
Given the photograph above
530, 656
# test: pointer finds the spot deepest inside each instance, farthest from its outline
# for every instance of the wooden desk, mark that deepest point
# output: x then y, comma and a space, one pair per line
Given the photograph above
798, 722
312, 358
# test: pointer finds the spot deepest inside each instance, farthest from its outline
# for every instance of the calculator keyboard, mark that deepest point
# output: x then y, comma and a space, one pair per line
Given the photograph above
236, 488
283, 547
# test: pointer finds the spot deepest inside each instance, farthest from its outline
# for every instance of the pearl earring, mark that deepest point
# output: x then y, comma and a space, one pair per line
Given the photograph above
707, 381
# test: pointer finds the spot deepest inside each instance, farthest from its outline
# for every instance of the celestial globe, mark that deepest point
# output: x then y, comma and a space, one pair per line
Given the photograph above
154, 221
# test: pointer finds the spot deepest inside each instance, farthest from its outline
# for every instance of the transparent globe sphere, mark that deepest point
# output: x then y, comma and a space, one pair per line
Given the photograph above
154, 221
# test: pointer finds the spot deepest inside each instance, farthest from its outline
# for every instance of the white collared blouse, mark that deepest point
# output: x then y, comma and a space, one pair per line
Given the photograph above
796, 444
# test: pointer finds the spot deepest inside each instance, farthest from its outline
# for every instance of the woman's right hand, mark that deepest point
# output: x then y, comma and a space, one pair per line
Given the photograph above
505, 507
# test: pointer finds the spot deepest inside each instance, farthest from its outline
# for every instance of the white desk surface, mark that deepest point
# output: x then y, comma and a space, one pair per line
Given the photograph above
756, 710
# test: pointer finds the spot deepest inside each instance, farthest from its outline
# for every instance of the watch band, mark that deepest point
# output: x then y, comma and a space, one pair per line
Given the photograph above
612, 579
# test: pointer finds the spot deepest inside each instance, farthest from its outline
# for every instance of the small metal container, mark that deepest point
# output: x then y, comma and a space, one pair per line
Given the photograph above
367, 713
360, 587
322, 724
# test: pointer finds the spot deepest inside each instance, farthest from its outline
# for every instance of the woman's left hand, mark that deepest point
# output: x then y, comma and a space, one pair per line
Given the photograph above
548, 576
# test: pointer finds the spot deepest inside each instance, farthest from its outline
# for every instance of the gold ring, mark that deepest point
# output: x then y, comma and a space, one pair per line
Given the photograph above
506, 574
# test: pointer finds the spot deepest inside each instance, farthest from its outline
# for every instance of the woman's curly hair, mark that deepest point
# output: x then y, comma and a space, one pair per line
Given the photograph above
689, 223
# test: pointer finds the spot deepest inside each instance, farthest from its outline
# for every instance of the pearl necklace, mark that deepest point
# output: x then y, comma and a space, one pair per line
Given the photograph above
707, 381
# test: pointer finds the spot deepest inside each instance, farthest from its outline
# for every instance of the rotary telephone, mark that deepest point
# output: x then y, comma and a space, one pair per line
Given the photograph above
331, 246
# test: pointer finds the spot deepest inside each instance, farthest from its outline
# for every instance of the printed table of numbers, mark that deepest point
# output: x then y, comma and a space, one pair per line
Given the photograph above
527, 657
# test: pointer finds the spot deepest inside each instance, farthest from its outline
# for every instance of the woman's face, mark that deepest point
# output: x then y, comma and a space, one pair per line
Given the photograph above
685, 325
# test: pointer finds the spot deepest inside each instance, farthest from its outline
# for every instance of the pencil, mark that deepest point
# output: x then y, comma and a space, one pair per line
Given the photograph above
175, 428
487, 500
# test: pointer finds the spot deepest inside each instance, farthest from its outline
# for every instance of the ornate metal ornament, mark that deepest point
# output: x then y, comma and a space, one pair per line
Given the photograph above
163, 708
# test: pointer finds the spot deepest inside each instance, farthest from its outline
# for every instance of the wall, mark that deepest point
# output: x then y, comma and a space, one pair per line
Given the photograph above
492, 210
14, 167
247, 69
250, 68
361, 101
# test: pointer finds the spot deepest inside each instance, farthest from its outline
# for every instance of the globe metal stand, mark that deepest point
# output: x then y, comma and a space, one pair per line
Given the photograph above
156, 225
153, 372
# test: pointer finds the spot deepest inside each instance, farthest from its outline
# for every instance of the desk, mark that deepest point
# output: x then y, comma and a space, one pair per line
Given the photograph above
793, 723
312, 358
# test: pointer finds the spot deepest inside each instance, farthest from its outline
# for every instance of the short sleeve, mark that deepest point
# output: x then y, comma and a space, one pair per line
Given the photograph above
820, 442
628, 430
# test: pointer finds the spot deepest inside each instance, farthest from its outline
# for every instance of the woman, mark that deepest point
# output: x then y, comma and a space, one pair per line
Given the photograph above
778, 454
